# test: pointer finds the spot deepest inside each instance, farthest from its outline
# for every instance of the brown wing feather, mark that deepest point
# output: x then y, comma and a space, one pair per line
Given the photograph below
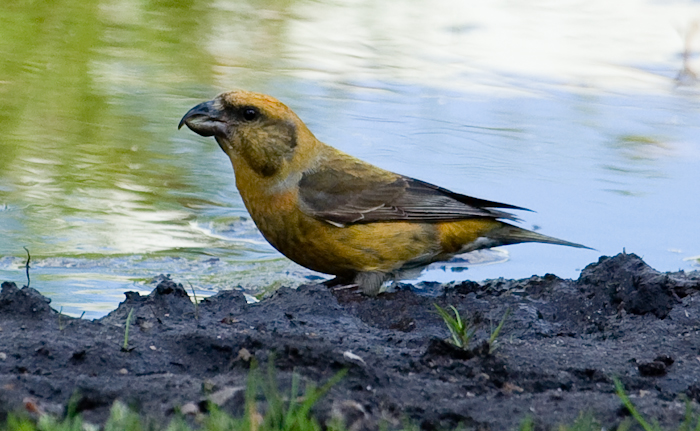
343, 198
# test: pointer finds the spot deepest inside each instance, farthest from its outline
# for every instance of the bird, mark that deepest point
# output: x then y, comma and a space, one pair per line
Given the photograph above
336, 214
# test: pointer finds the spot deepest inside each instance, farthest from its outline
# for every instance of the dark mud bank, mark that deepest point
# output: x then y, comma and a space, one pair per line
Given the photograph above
556, 355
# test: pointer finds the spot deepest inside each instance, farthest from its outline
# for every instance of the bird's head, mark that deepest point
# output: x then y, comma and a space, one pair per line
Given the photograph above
252, 128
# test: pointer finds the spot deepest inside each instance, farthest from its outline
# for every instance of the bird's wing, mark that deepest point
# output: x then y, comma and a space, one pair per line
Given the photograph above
340, 197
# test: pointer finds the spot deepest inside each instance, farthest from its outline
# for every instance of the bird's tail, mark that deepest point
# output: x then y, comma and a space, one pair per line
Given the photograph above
509, 234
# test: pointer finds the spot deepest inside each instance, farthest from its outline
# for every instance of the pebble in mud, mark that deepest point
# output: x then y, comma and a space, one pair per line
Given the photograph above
658, 367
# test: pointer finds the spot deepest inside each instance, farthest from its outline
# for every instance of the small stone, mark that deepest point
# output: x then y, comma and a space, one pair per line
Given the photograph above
244, 355
123, 371
189, 409
510, 388
31, 404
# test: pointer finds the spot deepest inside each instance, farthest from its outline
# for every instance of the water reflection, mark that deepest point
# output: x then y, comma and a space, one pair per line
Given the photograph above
571, 110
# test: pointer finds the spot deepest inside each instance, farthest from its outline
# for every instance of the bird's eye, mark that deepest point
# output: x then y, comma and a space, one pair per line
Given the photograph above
250, 114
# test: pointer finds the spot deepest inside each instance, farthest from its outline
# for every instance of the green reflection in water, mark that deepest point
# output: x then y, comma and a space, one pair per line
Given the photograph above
87, 115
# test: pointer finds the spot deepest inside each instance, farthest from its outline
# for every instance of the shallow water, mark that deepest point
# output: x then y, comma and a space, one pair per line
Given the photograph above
571, 109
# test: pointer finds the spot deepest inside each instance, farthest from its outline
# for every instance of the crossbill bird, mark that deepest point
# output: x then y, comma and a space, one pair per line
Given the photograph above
333, 213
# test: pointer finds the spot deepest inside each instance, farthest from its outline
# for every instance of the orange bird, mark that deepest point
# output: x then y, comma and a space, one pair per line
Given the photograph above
335, 214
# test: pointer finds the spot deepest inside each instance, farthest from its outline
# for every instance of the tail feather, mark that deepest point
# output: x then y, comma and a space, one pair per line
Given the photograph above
509, 234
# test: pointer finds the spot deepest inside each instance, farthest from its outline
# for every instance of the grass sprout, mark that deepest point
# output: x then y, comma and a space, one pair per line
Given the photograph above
493, 343
288, 412
125, 346
584, 422
462, 330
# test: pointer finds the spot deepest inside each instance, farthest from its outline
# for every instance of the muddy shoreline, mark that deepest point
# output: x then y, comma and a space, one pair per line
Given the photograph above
557, 353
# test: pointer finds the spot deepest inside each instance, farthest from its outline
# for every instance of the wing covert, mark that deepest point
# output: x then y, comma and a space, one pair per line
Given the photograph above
340, 197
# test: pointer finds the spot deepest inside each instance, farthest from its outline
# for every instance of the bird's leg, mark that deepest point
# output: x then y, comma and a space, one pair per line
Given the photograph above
371, 282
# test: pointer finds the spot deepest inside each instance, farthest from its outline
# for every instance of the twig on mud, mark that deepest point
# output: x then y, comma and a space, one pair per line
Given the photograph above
26, 265
125, 346
155, 315
196, 304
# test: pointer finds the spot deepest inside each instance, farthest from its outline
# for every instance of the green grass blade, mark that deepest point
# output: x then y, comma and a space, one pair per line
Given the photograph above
620, 391
125, 346
293, 393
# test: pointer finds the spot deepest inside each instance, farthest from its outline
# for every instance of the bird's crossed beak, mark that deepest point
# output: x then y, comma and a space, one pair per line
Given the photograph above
206, 119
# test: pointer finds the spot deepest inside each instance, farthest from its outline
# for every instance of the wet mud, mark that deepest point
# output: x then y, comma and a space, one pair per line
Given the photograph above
560, 347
